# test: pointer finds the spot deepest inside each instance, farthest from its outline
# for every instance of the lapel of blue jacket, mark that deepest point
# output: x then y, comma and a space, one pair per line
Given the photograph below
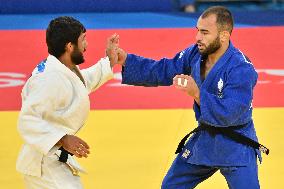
196, 72
219, 64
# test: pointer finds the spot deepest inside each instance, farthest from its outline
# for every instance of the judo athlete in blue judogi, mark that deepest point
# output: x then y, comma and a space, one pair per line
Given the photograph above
221, 80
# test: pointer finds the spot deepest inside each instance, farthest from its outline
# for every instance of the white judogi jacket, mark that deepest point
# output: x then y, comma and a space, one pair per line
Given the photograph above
55, 102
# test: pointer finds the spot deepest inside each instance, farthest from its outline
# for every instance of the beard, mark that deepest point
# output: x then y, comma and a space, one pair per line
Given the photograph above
77, 56
212, 47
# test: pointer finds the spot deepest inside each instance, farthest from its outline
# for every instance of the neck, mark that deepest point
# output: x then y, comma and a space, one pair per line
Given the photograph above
213, 58
66, 60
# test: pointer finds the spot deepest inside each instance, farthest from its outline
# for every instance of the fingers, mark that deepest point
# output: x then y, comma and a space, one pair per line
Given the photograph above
81, 151
112, 37
187, 84
112, 45
113, 40
181, 81
182, 76
82, 148
122, 55
83, 143
115, 54
76, 146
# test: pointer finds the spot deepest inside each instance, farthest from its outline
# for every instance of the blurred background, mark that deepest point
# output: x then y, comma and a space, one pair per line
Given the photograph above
133, 131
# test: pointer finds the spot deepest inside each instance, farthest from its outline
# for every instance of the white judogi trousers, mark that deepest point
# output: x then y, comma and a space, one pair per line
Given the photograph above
55, 175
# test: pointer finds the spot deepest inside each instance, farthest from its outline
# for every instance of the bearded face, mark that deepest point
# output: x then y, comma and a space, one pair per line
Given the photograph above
77, 56
210, 48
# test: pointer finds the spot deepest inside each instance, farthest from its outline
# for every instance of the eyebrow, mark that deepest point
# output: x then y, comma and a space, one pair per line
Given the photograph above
202, 30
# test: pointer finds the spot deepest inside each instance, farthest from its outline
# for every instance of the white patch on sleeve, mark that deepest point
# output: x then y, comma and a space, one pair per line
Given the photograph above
181, 54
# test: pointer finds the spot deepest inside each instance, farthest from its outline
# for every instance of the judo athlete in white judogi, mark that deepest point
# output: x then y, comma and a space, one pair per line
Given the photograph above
221, 80
55, 106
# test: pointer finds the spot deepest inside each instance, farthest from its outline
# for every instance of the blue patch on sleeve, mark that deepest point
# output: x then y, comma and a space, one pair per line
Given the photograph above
41, 66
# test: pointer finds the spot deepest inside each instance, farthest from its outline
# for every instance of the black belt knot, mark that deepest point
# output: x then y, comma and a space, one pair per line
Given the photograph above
64, 155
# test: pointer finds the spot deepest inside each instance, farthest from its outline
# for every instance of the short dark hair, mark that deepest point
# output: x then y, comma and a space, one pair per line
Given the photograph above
61, 31
224, 18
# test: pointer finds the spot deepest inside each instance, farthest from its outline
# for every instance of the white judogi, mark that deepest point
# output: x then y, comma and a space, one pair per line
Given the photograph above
55, 102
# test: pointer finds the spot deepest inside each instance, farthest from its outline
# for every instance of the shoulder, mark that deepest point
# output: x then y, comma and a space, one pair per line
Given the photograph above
241, 66
239, 59
191, 50
189, 54
49, 80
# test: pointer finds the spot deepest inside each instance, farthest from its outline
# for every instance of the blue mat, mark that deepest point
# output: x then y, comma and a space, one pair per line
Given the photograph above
138, 20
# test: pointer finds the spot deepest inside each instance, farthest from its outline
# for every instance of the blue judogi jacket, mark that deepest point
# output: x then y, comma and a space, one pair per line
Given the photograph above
225, 100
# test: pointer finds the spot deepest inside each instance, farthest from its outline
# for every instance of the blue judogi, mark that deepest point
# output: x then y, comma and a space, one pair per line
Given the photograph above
225, 100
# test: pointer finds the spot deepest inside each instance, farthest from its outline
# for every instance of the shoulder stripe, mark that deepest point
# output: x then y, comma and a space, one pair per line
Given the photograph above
247, 60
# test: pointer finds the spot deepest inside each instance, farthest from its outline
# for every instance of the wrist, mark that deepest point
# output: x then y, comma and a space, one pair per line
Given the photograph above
197, 98
61, 141
122, 58
123, 63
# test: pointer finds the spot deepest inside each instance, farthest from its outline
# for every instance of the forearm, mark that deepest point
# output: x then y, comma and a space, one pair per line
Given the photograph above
148, 72
98, 74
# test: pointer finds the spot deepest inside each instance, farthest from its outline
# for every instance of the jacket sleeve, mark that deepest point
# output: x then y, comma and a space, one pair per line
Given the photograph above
42, 96
148, 72
98, 74
234, 108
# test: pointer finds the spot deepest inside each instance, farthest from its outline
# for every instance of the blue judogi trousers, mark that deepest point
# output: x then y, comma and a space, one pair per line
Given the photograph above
183, 175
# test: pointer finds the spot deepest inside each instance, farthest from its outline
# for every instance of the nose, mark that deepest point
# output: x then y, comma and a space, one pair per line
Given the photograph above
198, 36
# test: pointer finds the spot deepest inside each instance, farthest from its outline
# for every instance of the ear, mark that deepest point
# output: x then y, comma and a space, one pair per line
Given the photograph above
69, 47
224, 36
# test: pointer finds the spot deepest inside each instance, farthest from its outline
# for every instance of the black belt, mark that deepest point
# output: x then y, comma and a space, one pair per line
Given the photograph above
226, 131
64, 155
